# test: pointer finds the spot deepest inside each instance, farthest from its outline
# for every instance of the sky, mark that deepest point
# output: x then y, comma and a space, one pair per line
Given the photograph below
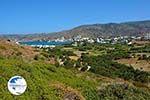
42, 16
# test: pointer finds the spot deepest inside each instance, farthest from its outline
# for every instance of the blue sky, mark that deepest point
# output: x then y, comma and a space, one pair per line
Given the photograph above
36, 16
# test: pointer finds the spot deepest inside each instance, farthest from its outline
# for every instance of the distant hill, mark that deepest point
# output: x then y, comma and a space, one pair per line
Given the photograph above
95, 30
110, 29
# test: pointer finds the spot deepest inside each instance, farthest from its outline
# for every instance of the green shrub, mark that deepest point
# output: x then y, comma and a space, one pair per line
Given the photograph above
123, 92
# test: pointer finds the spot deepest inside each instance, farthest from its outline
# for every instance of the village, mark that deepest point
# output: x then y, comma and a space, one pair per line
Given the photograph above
81, 39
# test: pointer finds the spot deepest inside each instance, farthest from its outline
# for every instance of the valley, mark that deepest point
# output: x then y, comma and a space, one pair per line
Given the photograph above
88, 71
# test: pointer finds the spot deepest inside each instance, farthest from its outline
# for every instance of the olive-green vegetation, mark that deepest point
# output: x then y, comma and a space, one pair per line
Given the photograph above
56, 52
40, 76
123, 92
66, 82
104, 64
42, 79
141, 49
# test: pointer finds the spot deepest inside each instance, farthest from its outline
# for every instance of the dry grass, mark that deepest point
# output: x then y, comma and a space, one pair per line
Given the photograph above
74, 57
137, 64
66, 92
140, 42
10, 48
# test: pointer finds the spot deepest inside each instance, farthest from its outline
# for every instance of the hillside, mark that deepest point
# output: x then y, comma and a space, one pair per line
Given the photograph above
94, 31
11, 49
110, 29
107, 80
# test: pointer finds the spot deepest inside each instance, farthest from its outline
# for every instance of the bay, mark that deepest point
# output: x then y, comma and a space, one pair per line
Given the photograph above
43, 42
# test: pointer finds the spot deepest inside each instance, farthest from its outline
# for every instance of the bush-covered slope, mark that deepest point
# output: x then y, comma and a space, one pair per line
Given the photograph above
104, 81
45, 82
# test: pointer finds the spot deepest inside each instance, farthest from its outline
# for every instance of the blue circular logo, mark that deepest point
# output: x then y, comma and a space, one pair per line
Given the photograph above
17, 85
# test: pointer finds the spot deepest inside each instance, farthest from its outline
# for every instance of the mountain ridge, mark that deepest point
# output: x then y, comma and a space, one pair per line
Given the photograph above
132, 28
109, 29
